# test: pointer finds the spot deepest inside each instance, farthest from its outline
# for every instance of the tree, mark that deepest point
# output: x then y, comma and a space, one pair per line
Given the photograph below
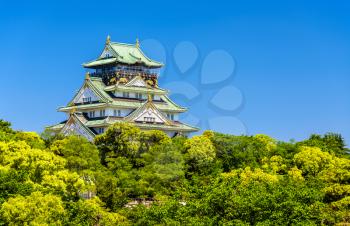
92, 212
6, 132
37, 163
239, 151
81, 155
311, 160
330, 142
120, 140
35, 209
14, 182
31, 138
67, 185
200, 152
163, 170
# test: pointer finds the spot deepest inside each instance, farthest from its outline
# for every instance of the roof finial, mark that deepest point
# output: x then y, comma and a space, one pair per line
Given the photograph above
150, 97
87, 76
137, 43
73, 110
108, 40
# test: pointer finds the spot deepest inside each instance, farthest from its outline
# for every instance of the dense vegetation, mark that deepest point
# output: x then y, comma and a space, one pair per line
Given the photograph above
210, 179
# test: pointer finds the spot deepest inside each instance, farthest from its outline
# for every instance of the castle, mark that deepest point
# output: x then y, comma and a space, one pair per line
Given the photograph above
121, 86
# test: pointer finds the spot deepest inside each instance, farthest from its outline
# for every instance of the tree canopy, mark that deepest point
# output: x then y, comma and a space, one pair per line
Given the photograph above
133, 177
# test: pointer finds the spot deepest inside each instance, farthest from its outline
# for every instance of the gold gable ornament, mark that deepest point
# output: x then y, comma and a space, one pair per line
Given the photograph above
73, 110
137, 44
87, 76
108, 40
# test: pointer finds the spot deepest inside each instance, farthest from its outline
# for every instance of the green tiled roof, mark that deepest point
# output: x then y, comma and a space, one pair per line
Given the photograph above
99, 88
111, 120
122, 104
99, 62
56, 127
125, 54
178, 127
88, 124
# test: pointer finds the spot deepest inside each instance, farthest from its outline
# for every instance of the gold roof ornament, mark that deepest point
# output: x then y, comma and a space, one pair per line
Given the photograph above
73, 110
149, 98
108, 40
137, 44
87, 76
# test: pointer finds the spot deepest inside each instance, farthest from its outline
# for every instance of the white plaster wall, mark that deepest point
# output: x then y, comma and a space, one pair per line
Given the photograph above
124, 112
105, 53
118, 94
176, 115
85, 93
110, 112
156, 97
149, 113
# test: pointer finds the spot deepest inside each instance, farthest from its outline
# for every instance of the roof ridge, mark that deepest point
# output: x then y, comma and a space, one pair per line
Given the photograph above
122, 43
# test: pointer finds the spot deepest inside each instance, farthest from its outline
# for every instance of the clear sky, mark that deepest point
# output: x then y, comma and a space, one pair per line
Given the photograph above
291, 58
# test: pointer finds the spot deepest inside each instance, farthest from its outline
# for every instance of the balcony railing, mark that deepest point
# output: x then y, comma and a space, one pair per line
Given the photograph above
111, 77
125, 73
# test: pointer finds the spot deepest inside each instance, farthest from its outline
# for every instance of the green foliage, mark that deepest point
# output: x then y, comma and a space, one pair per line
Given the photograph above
6, 133
311, 160
120, 140
35, 209
239, 151
209, 179
330, 142
200, 152
14, 182
80, 154
20, 156
92, 212
31, 138
163, 170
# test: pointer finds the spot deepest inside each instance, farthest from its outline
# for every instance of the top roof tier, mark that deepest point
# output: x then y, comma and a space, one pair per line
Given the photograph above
122, 53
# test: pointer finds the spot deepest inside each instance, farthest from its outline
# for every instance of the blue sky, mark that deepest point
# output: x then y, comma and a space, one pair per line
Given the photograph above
292, 58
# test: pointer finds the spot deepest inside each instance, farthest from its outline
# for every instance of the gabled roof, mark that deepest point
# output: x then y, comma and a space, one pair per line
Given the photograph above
97, 87
137, 81
76, 125
177, 126
100, 90
125, 54
152, 109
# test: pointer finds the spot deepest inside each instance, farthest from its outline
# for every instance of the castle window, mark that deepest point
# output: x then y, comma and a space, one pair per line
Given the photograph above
126, 94
86, 99
100, 130
91, 114
102, 113
139, 96
149, 119
117, 113
170, 116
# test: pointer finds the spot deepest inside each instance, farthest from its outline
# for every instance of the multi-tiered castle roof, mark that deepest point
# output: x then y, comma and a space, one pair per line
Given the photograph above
121, 87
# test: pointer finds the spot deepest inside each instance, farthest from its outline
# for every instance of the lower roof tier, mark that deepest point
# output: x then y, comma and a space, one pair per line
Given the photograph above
78, 122
123, 104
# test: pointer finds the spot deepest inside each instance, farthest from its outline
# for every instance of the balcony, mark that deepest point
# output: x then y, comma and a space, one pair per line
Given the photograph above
111, 77
127, 72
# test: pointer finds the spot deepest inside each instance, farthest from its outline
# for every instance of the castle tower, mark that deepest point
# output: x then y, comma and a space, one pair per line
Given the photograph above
121, 87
